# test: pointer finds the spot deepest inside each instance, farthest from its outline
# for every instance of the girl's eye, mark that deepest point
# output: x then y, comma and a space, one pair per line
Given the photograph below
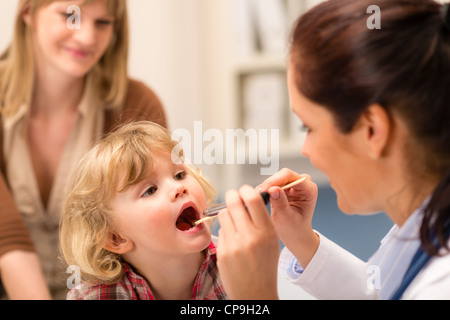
150, 191
180, 175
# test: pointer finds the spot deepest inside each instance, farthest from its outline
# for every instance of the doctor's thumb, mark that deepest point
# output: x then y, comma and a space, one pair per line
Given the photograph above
278, 199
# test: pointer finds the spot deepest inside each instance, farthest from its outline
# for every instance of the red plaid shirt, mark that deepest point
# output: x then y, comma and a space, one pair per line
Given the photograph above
133, 286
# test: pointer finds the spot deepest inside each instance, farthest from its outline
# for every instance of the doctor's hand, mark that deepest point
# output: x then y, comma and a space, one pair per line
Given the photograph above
292, 211
248, 248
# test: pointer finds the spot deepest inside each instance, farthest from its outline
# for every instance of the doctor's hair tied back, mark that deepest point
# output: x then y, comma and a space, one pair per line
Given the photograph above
445, 14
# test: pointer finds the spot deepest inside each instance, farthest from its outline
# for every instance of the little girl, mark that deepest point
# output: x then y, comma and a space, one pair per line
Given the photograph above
127, 221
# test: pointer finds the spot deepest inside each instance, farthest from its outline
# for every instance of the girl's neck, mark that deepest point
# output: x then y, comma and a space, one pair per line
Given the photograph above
171, 278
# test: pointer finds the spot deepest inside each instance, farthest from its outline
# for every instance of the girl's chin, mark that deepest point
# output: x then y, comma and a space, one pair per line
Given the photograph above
201, 240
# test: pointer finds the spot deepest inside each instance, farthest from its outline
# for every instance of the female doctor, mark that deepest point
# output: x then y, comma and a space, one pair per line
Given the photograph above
375, 103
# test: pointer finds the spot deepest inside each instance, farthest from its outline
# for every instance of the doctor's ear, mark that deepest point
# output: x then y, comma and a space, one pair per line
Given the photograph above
118, 244
377, 126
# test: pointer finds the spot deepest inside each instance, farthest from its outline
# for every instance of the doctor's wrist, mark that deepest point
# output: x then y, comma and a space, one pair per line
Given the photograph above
305, 249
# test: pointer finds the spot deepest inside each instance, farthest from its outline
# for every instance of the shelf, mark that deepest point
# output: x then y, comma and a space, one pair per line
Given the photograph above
244, 96
259, 63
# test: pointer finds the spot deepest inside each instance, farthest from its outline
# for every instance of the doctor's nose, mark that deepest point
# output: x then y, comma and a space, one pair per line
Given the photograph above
305, 147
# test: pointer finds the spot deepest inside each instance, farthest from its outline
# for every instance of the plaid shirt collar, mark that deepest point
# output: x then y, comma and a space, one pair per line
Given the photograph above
132, 286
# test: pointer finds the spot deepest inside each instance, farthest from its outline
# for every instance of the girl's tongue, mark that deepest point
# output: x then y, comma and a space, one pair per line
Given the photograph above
186, 219
184, 226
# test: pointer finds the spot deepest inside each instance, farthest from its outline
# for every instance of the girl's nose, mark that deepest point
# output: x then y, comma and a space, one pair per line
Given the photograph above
179, 191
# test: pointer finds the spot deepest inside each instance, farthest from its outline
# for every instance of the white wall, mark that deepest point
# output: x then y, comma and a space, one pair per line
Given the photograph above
166, 53
7, 14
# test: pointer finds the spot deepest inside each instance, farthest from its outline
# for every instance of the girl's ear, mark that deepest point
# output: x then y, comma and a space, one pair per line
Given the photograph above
118, 244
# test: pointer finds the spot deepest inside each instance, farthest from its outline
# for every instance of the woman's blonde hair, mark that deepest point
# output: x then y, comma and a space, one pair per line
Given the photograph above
118, 161
17, 67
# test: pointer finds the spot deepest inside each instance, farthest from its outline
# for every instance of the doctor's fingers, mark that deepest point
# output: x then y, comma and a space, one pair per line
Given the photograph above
255, 207
236, 211
227, 228
281, 179
302, 196
294, 203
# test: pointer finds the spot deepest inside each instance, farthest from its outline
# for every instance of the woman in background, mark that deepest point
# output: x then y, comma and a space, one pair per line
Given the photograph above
375, 104
61, 89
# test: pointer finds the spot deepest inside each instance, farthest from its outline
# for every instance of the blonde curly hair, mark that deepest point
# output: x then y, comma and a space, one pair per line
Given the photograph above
115, 163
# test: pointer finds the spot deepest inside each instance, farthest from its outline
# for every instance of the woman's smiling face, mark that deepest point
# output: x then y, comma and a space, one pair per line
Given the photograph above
72, 52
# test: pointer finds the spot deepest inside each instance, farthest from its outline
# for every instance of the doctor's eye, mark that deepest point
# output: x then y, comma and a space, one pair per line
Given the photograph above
305, 128
150, 191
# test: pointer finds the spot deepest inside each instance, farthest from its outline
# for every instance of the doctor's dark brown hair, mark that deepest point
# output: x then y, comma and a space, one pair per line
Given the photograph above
345, 67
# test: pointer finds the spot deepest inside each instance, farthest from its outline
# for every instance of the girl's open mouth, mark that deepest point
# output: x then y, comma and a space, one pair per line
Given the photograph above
187, 218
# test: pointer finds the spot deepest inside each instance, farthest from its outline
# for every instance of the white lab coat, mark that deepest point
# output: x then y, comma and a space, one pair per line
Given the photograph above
334, 273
